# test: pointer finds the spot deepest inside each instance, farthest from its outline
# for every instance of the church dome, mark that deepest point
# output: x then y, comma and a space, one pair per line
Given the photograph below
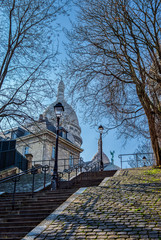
69, 119
97, 157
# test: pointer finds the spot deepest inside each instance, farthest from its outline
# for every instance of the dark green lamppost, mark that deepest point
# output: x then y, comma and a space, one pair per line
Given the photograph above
59, 109
100, 128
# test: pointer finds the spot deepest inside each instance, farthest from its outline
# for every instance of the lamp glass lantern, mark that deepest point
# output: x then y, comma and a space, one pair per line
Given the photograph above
58, 109
100, 128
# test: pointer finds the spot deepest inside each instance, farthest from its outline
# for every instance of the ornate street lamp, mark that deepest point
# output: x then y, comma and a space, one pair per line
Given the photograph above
59, 109
100, 128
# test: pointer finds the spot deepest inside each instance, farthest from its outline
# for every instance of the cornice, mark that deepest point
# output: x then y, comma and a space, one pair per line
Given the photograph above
53, 135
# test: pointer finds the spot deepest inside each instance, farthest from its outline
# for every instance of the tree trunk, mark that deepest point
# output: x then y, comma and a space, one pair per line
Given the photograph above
152, 122
154, 137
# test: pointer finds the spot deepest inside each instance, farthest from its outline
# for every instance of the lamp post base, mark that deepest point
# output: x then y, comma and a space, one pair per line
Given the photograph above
101, 168
54, 182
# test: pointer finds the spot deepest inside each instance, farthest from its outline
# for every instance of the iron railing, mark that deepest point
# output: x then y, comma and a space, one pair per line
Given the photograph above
136, 160
16, 178
63, 164
65, 175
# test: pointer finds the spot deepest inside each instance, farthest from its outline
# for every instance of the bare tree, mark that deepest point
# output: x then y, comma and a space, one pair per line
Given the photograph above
27, 52
115, 63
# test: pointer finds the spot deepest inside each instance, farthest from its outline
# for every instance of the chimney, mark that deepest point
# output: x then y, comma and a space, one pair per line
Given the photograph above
29, 157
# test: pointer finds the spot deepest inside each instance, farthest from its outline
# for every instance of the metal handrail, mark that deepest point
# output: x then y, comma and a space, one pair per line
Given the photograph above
16, 178
137, 157
78, 168
18, 174
128, 154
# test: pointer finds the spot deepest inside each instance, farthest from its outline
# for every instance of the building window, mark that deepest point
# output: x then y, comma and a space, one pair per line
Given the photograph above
64, 134
14, 135
53, 152
26, 150
71, 160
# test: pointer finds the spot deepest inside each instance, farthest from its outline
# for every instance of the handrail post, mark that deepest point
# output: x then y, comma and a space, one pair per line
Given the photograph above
33, 181
137, 161
120, 157
45, 169
15, 180
68, 175
14, 191
33, 172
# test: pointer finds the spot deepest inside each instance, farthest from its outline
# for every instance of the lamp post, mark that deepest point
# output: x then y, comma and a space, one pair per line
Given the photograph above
100, 128
144, 161
58, 108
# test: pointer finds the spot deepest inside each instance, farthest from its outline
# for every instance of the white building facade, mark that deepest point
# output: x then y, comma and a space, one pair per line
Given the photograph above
38, 139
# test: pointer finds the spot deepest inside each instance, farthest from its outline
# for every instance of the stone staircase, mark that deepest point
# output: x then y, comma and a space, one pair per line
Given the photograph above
29, 212
87, 179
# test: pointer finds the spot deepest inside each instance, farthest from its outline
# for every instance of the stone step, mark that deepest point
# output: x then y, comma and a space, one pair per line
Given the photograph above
35, 197
29, 211
85, 183
25, 215
18, 229
12, 235
8, 196
43, 191
25, 219
35, 211
19, 223
44, 205
10, 238
34, 200
49, 205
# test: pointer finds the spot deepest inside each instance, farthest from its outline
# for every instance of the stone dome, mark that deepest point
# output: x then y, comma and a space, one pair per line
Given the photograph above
97, 156
68, 120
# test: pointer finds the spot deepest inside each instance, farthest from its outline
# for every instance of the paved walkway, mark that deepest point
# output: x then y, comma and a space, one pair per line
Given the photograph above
127, 206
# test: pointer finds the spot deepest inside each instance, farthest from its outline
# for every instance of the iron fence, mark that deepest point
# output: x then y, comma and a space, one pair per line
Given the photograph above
136, 160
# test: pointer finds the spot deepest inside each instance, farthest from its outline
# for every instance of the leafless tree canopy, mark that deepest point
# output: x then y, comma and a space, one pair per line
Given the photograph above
27, 53
115, 63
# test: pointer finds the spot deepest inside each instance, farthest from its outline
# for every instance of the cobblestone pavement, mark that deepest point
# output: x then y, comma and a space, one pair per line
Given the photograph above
128, 206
